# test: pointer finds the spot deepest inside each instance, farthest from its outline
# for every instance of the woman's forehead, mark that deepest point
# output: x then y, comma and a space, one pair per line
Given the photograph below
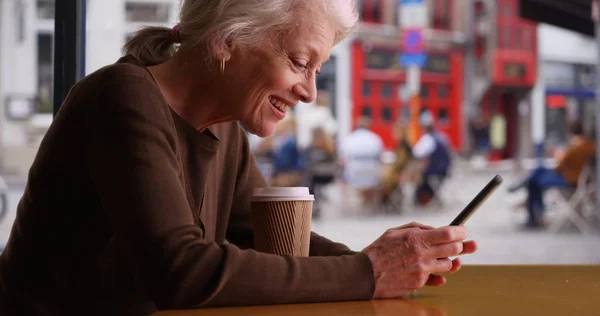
313, 38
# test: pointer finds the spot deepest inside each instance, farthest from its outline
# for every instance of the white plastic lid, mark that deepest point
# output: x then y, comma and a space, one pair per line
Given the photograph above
282, 194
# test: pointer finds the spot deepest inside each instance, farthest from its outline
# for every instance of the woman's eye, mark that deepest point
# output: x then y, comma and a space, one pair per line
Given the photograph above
299, 64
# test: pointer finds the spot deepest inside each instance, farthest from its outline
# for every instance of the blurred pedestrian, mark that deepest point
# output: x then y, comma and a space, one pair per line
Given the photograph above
288, 169
321, 166
403, 155
581, 151
361, 152
433, 149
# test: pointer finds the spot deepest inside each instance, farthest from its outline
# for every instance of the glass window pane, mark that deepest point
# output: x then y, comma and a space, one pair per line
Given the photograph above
366, 111
424, 92
443, 116
147, 12
366, 88
442, 91
45, 72
386, 90
386, 114
106, 36
376, 10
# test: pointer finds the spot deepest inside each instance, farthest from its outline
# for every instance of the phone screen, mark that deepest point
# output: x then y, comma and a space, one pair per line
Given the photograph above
477, 201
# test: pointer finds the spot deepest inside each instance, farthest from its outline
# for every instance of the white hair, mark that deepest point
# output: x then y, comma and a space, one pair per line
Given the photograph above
245, 22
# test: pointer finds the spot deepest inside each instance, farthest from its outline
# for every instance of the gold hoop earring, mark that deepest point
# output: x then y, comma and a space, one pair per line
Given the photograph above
222, 66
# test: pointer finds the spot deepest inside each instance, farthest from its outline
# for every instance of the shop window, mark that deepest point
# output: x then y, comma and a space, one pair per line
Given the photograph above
366, 89
386, 90
443, 115
441, 14
386, 114
424, 92
45, 70
367, 111
376, 11
442, 91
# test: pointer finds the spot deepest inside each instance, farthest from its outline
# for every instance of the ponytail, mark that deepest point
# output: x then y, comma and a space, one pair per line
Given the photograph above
151, 45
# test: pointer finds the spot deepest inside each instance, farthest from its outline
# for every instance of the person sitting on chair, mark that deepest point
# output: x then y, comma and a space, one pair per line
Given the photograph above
392, 174
564, 175
361, 154
321, 165
433, 148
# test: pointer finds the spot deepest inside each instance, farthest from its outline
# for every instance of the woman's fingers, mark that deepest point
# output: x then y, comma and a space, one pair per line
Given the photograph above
413, 225
435, 280
444, 235
469, 247
450, 249
456, 265
443, 265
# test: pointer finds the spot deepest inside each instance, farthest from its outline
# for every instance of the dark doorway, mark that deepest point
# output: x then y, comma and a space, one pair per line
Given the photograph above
326, 83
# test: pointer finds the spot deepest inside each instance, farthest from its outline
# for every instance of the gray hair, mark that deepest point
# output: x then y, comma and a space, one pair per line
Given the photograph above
247, 22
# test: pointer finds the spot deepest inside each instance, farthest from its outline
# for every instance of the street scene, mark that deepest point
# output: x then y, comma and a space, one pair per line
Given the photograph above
494, 226
464, 89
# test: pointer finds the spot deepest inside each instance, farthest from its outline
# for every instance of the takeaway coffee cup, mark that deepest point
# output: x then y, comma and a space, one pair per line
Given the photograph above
281, 219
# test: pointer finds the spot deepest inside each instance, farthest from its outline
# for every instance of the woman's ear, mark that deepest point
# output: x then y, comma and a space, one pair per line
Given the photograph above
222, 49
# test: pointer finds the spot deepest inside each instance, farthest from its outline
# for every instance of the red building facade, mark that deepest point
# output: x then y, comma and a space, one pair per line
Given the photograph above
378, 77
508, 59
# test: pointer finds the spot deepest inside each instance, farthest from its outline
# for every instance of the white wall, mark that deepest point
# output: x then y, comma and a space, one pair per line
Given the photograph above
558, 44
343, 82
18, 60
105, 33
107, 28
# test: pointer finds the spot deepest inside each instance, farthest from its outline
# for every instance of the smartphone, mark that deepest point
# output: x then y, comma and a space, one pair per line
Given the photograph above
477, 201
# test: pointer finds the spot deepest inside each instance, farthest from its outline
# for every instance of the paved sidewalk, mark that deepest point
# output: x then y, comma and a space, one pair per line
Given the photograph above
495, 226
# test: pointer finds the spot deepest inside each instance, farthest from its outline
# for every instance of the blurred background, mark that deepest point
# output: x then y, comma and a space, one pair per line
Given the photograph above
416, 112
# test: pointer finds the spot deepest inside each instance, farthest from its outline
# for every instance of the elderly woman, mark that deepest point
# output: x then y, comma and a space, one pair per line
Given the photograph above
138, 199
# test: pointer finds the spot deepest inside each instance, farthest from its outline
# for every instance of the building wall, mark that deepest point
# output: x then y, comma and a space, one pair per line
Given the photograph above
20, 25
106, 29
18, 68
559, 46
17, 63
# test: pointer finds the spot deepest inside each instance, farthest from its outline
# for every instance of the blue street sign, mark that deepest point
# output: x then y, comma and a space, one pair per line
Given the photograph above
411, 2
413, 60
412, 41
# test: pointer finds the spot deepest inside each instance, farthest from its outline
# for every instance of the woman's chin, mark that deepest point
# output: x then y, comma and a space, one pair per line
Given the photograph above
263, 131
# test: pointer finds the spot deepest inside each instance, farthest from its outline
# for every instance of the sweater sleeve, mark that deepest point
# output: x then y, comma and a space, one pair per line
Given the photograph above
564, 163
133, 165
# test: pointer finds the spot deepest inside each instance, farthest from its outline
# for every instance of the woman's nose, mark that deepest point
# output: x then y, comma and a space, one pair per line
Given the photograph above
306, 91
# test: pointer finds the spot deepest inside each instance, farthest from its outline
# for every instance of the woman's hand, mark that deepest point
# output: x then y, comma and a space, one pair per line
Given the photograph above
409, 257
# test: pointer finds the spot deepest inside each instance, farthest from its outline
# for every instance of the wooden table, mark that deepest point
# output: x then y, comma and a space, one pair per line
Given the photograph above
475, 290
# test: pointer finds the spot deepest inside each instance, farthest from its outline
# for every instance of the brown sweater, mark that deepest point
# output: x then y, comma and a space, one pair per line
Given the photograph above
128, 209
575, 160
